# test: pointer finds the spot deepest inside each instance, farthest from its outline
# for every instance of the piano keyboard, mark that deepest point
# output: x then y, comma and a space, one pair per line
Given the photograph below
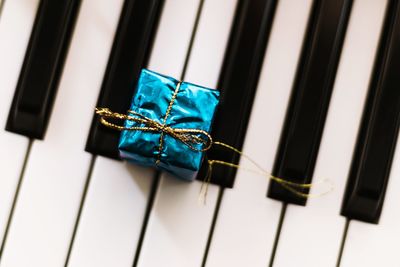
308, 89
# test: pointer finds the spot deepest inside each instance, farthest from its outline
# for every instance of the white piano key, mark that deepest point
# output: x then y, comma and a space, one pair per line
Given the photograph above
179, 225
178, 228
169, 59
56, 172
247, 220
112, 216
15, 28
311, 235
118, 192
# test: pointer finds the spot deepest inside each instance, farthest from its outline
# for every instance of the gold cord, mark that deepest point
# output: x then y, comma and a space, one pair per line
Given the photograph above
295, 188
160, 147
193, 137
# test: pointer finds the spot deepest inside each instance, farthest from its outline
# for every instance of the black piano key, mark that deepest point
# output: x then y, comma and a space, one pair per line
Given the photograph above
238, 82
42, 67
308, 105
375, 145
129, 54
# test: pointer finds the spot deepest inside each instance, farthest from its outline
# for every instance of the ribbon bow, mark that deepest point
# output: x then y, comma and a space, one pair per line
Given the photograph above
196, 139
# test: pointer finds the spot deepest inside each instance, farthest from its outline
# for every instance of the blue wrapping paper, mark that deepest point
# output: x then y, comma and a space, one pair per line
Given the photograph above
194, 108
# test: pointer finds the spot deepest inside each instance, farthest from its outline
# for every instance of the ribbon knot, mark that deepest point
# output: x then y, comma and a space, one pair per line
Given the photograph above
196, 139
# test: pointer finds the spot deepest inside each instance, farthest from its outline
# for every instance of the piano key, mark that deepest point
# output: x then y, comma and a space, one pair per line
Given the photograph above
15, 28
42, 68
56, 172
372, 245
130, 53
246, 223
309, 102
112, 216
238, 83
178, 225
312, 235
118, 192
370, 168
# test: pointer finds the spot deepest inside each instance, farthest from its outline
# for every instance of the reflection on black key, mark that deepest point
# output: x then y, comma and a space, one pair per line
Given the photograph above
238, 82
130, 53
42, 67
308, 106
372, 159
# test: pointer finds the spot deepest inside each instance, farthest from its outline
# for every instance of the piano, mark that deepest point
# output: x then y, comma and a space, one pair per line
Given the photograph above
310, 89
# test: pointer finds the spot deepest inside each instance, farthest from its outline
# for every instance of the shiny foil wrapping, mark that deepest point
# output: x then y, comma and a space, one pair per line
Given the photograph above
193, 108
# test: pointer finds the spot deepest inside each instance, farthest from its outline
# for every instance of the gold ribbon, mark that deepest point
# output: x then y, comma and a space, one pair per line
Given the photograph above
293, 187
193, 137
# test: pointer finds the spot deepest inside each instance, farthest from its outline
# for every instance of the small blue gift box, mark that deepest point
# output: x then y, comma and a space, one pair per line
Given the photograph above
176, 113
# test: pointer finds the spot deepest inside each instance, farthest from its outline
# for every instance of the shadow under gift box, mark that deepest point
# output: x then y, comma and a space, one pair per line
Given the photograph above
193, 107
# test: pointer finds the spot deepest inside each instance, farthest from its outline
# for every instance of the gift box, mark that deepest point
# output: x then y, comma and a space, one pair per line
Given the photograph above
170, 124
